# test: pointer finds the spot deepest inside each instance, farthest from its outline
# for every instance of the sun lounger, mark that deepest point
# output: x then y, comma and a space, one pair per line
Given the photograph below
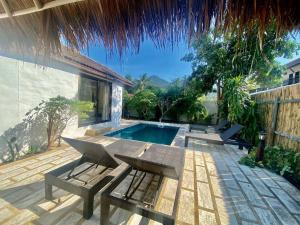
214, 138
207, 129
89, 174
130, 192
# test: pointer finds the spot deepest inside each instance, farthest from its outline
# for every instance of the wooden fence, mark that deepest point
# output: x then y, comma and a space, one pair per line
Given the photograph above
279, 110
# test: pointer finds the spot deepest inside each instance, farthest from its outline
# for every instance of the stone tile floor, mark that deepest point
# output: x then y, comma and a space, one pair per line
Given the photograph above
215, 190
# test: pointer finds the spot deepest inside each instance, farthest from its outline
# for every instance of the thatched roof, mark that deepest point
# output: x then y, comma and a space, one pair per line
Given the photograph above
119, 24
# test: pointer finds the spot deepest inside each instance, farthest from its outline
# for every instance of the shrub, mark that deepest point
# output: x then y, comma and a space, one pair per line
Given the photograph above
249, 160
280, 160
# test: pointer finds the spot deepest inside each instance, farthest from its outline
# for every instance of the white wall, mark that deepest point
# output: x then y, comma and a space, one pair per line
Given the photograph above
24, 85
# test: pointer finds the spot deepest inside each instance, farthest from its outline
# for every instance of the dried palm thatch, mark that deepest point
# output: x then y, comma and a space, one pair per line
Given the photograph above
123, 24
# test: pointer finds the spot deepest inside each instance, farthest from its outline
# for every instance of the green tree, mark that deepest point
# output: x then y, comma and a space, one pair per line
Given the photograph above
218, 57
142, 82
144, 102
57, 113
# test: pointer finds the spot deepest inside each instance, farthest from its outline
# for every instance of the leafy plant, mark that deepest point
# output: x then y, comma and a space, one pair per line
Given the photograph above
283, 161
32, 150
249, 160
144, 102
57, 113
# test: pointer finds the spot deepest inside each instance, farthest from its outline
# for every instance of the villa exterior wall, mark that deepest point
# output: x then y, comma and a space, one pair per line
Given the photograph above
24, 85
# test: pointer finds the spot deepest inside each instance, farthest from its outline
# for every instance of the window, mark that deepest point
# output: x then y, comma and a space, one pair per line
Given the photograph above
99, 93
290, 79
297, 77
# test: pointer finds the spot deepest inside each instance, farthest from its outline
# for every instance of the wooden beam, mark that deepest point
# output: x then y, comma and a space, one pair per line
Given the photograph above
6, 8
48, 5
37, 4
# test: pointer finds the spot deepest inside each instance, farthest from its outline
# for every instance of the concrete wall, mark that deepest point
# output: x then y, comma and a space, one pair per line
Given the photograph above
23, 85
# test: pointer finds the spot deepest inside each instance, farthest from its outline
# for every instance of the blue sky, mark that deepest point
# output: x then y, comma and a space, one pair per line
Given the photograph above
165, 63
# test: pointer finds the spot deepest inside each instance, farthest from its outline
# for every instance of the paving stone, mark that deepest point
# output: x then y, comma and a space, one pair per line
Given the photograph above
32, 172
248, 223
189, 163
237, 196
244, 211
238, 174
5, 183
12, 173
5, 213
207, 218
59, 211
218, 187
247, 170
204, 196
170, 188
21, 218
283, 215
189, 154
15, 165
71, 218
260, 186
252, 195
42, 162
14, 194
290, 203
290, 189
165, 206
265, 178
212, 170
266, 217
186, 207
188, 179
226, 212
230, 183
201, 174
50, 154
199, 160
31, 199
208, 157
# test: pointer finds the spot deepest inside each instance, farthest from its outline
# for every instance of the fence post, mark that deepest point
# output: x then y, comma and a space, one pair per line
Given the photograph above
274, 120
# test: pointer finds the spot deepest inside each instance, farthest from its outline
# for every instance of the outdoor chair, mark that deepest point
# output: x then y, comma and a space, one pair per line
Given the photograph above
214, 138
138, 188
89, 174
208, 129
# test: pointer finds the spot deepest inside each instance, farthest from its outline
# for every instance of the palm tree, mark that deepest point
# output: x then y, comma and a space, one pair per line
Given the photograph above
142, 82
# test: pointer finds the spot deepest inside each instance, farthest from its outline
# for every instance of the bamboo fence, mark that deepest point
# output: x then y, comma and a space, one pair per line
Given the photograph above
279, 111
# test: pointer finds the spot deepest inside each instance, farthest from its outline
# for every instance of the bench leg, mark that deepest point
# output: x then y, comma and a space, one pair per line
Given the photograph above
104, 214
186, 141
88, 206
48, 191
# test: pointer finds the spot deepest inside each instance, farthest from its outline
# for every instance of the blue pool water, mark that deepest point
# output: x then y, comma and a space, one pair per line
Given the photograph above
148, 133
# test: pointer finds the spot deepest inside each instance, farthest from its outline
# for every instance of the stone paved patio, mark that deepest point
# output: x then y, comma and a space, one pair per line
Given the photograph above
215, 190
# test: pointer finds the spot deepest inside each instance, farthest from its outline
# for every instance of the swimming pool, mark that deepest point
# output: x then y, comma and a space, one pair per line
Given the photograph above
148, 133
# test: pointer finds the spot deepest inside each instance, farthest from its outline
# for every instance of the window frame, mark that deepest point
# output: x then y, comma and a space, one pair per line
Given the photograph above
81, 122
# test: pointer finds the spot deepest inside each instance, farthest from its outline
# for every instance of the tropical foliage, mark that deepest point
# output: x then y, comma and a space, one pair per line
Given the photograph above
56, 113
283, 161
176, 100
232, 63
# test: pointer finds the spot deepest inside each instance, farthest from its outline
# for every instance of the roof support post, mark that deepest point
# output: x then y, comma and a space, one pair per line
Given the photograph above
6, 8
37, 4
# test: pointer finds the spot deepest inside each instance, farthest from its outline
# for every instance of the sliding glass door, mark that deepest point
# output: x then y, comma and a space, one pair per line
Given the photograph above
99, 93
